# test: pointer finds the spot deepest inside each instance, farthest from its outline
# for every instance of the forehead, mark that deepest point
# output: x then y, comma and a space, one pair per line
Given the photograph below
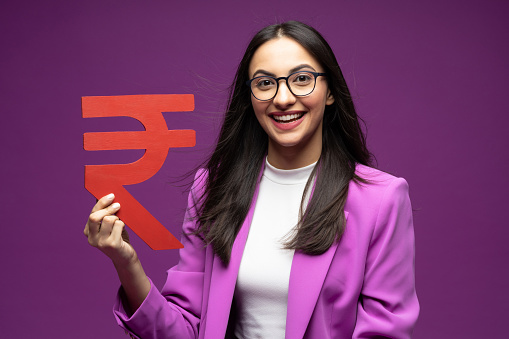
280, 55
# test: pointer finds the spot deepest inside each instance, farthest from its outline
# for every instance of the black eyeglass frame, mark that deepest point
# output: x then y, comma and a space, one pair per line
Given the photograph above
315, 75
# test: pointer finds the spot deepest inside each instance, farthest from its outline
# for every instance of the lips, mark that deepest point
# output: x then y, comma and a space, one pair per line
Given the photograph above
286, 121
287, 118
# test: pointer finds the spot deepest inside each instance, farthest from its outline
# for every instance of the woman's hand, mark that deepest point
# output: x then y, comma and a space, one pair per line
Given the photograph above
105, 231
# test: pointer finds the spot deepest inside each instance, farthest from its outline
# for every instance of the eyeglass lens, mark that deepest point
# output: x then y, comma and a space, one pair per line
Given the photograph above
300, 84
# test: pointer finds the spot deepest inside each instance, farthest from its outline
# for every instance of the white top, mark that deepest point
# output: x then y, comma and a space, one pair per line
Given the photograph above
261, 291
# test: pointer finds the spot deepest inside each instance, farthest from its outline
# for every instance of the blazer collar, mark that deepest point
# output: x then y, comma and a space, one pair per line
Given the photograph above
306, 280
224, 278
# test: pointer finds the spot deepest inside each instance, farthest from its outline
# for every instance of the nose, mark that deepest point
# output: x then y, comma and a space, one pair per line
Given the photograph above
284, 97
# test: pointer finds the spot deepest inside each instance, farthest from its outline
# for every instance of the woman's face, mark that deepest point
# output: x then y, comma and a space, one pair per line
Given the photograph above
293, 124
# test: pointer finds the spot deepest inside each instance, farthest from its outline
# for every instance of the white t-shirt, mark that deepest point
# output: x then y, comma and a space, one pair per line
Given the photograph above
261, 291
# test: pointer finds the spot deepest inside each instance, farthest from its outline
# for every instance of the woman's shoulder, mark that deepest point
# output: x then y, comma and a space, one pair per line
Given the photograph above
371, 173
198, 187
376, 184
200, 179
375, 176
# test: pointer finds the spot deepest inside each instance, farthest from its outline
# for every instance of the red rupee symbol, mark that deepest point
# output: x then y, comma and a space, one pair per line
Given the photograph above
156, 140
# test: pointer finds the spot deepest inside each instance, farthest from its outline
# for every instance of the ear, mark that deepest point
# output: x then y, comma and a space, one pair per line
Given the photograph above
330, 98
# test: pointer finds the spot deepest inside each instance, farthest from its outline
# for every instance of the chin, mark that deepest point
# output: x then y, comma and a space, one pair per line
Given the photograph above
286, 143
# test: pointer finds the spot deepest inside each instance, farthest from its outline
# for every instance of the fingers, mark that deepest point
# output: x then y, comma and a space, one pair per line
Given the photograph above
117, 229
111, 243
102, 208
106, 225
96, 218
109, 234
103, 202
105, 231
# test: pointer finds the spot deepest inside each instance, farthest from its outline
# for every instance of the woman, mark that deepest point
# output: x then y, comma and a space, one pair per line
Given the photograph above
289, 233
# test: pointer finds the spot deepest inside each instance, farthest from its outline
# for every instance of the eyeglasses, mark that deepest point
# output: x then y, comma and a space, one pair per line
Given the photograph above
302, 83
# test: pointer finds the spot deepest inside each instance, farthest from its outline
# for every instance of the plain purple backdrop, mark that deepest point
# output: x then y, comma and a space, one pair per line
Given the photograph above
430, 78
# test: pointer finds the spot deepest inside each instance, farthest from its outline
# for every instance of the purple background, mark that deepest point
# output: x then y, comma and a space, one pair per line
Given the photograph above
429, 77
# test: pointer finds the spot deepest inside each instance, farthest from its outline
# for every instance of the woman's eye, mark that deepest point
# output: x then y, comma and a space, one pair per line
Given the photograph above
302, 79
265, 83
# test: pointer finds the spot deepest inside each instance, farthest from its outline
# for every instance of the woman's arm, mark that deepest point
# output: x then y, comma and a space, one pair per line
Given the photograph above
176, 310
388, 305
104, 231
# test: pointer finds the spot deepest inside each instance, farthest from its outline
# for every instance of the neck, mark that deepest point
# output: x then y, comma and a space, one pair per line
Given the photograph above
293, 157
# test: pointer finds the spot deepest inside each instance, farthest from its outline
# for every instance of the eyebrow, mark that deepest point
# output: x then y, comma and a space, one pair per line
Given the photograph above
293, 70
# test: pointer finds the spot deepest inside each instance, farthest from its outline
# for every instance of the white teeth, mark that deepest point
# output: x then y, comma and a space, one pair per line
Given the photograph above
287, 118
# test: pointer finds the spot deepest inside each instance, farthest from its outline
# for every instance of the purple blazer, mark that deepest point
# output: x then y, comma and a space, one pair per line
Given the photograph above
362, 287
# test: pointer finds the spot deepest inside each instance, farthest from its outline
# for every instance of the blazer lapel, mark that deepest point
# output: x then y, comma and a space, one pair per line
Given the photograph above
306, 279
224, 278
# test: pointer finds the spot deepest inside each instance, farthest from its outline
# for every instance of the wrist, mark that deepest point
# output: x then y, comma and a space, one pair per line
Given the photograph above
124, 257
131, 263
135, 283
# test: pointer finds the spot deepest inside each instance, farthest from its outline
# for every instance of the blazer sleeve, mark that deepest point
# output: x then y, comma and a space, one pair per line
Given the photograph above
388, 305
174, 312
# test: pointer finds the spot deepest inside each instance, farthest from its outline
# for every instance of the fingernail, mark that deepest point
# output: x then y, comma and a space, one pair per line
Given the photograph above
110, 196
116, 205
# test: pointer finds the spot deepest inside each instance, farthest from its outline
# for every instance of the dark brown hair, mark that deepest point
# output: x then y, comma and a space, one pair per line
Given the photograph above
234, 166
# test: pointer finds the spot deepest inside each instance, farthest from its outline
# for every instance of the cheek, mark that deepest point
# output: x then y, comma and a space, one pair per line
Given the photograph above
259, 109
315, 104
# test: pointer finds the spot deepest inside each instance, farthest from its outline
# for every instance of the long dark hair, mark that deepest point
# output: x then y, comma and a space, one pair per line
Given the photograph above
233, 168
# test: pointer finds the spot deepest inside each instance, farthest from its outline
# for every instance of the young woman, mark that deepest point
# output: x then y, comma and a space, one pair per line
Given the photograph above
288, 233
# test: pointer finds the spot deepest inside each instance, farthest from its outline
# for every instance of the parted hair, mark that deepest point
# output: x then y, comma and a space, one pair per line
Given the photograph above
233, 168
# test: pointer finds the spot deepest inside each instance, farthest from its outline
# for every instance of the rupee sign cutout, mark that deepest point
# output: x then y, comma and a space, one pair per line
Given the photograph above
156, 140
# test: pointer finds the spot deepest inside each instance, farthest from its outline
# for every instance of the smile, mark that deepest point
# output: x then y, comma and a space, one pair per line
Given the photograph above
284, 119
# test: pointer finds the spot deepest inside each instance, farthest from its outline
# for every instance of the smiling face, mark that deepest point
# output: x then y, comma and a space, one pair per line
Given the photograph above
293, 124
